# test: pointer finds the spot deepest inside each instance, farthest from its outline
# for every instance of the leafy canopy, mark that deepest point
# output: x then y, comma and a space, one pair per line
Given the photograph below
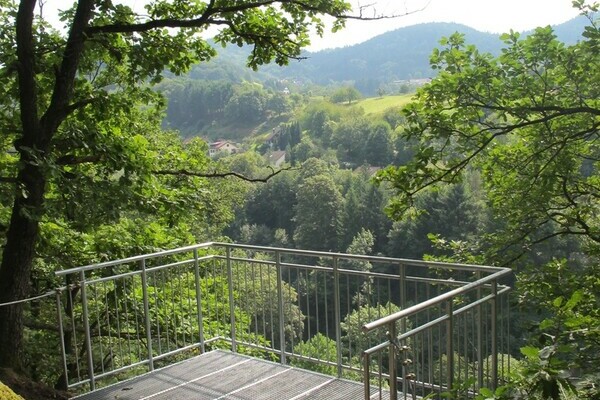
528, 119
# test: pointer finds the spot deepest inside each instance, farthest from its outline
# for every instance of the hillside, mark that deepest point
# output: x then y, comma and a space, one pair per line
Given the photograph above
199, 103
396, 55
377, 105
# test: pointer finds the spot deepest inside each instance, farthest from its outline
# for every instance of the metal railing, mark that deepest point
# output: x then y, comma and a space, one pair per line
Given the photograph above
351, 316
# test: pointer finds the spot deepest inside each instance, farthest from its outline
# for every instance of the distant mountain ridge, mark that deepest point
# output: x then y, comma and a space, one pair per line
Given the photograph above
401, 54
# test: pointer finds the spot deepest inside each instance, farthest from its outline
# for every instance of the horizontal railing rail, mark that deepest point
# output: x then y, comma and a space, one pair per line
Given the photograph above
341, 314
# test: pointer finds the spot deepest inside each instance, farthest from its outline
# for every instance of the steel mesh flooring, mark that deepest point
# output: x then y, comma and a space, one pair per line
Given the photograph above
224, 375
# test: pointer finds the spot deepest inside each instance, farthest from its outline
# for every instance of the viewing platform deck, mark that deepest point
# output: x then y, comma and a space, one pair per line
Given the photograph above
326, 325
224, 375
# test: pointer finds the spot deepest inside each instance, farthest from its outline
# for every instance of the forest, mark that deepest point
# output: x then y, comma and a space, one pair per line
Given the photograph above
493, 159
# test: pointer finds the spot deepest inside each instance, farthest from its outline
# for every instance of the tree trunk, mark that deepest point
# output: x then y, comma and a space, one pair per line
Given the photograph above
33, 146
17, 258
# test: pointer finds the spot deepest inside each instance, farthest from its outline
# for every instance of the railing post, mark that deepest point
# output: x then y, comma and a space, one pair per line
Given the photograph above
337, 316
199, 302
494, 334
450, 344
280, 306
366, 375
61, 335
402, 276
142, 265
231, 300
479, 336
393, 369
86, 327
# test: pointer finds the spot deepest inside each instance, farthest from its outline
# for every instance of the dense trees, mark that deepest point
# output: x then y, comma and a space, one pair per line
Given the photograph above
346, 94
59, 104
529, 121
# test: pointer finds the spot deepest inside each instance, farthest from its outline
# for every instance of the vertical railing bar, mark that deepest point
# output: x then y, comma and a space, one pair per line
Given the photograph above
402, 294
317, 314
337, 316
166, 317
126, 310
142, 264
307, 298
118, 316
71, 306
430, 342
280, 306
172, 289
392, 368
138, 324
289, 307
464, 355
199, 313
272, 318
440, 383
298, 281
253, 275
61, 335
507, 315
380, 374
479, 311
347, 311
422, 377
86, 326
494, 344
367, 375
217, 293
188, 306
99, 326
504, 335
181, 305
450, 344
231, 299
108, 321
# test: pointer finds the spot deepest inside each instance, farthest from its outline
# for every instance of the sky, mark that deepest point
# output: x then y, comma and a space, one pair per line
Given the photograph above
495, 16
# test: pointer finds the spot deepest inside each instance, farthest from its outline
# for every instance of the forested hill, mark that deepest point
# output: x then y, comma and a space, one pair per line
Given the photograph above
400, 54
396, 55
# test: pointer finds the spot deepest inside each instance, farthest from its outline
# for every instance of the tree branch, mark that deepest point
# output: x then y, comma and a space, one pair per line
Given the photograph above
79, 104
205, 18
74, 160
184, 172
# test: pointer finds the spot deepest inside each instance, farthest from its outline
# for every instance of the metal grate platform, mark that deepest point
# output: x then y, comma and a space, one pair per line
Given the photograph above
224, 375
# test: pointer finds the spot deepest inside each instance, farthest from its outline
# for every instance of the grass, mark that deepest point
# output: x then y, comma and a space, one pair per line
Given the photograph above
377, 105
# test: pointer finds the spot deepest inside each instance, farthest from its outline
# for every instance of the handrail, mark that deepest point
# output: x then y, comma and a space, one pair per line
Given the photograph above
112, 263
321, 288
368, 327
387, 260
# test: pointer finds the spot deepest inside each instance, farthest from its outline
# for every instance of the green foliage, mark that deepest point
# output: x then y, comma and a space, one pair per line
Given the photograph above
345, 94
354, 338
319, 347
322, 228
527, 118
450, 213
248, 104
256, 290
564, 345
84, 162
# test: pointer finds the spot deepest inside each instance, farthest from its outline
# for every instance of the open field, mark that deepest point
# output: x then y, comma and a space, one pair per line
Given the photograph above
377, 105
